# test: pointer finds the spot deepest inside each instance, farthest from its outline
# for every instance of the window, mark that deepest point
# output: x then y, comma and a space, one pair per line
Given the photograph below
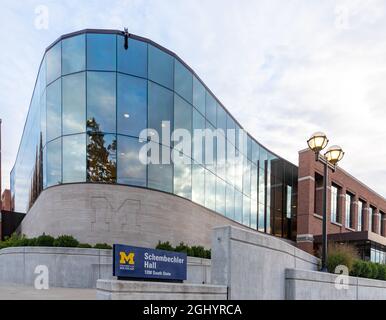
43, 118
54, 162
183, 81
318, 194
255, 153
101, 52
54, 63
348, 211
382, 224
360, 214
247, 177
198, 95
131, 170
334, 204
261, 217
101, 157
74, 103
101, 104
198, 184
182, 114
131, 105
160, 110
54, 110
161, 67
134, 59
253, 213
246, 211
220, 196
198, 144
210, 190
230, 201
289, 202
183, 178
371, 214
211, 109
160, 176
221, 119
74, 54
238, 206
74, 158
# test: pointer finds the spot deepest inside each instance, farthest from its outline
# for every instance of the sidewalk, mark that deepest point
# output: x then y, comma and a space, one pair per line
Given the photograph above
13, 292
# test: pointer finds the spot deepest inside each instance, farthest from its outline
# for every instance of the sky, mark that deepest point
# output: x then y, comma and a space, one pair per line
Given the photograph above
284, 69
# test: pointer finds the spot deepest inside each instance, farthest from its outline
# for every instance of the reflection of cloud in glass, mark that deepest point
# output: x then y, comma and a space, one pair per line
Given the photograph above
74, 158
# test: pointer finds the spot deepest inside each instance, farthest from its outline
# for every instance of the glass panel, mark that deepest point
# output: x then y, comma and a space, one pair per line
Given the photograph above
198, 143
238, 206
101, 104
134, 59
101, 158
183, 178
54, 162
198, 95
254, 181
255, 153
253, 214
247, 177
210, 190
198, 184
334, 204
263, 158
211, 109
43, 117
246, 211
161, 67
101, 52
220, 196
74, 158
54, 63
230, 163
221, 119
261, 221
160, 109
183, 120
132, 105
231, 133
54, 110
183, 81
161, 175
360, 214
74, 103
131, 170
230, 202
74, 54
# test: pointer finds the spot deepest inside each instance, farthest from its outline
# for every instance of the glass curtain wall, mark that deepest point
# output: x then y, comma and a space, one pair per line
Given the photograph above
93, 98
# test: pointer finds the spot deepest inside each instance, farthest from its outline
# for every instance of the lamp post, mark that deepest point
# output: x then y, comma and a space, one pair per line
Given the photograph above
330, 159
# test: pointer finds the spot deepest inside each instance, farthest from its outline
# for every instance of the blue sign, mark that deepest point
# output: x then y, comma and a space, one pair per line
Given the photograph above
143, 263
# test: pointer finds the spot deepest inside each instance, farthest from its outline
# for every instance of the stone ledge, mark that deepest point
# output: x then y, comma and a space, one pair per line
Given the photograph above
143, 290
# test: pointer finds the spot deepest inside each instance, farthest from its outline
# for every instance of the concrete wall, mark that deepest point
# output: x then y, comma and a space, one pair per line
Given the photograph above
310, 285
253, 264
120, 214
74, 267
135, 290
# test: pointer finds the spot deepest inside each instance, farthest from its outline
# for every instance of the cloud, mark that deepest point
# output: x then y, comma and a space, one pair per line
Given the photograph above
283, 68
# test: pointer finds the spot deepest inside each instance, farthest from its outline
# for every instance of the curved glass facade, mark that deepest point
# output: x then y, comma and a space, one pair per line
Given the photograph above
93, 98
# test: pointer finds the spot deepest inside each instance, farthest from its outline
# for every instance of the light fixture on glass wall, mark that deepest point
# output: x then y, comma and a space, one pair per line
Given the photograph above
126, 115
317, 142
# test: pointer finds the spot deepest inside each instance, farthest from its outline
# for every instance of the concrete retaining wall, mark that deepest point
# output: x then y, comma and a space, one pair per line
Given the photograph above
310, 285
74, 267
135, 290
253, 264
103, 213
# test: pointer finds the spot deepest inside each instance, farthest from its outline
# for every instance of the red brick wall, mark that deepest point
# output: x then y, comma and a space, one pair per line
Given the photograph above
308, 222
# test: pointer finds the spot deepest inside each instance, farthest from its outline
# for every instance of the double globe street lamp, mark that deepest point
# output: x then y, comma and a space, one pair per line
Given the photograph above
330, 159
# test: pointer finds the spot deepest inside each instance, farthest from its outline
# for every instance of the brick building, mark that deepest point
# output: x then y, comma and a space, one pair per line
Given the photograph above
355, 213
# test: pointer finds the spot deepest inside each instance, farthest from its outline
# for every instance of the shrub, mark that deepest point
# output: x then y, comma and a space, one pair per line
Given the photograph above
42, 241
164, 246
341, 254
197, 251
182, 247
102, 246
84, 245
381, 272
358, 268
374, 270
66, 241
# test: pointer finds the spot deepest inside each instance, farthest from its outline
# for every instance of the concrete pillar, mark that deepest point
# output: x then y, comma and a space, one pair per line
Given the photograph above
383, 221
376, 221
354, 212
365, 218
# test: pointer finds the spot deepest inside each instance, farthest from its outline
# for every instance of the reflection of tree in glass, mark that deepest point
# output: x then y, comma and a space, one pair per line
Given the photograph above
101, 163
